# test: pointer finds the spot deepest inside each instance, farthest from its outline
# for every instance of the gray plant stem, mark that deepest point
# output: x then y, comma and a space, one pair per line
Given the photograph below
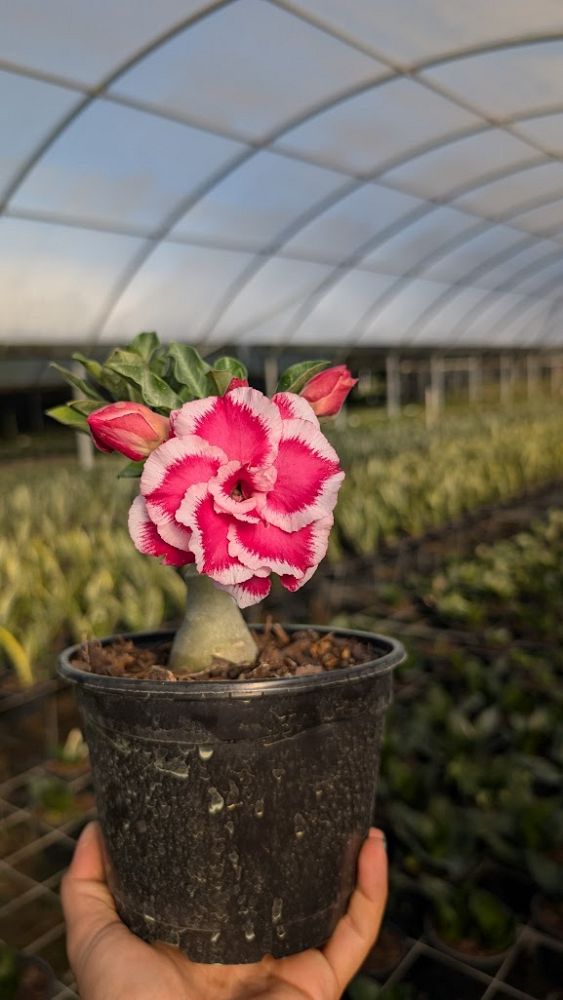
212, 627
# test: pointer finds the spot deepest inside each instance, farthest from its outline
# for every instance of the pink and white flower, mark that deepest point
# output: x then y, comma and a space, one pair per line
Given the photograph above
245, 487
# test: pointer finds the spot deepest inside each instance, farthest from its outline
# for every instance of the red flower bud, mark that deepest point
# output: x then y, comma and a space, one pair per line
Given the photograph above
129, 428
327, 391
236, 383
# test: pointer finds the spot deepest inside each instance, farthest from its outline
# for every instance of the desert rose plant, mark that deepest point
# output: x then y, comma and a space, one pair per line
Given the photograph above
234, 486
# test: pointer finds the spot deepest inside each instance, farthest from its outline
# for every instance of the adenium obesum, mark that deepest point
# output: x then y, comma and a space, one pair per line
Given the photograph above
244, 487
130, 428
327, 391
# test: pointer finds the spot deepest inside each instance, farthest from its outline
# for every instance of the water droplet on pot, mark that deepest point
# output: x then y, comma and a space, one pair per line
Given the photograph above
230, 827
216, 800
205, 753
318, 793
178, 767
249, 932
232, 795
278, 773
233, 858
215, 937
280, 931
277, 910
259, 808
299, 826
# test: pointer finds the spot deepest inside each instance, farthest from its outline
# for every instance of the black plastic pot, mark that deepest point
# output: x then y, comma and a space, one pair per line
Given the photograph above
233, 811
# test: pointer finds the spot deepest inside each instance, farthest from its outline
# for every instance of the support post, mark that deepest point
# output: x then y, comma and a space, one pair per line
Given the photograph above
271, 374
84, 444
506, 377
475, 381
532, 374
393, 385
437, 382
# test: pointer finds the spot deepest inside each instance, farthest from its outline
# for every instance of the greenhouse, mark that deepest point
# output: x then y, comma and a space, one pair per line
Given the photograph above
281, 328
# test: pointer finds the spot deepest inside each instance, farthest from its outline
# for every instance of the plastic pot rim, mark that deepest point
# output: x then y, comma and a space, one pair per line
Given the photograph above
392, 653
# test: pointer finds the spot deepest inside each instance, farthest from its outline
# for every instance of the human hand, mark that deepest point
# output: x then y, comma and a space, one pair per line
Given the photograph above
110, 963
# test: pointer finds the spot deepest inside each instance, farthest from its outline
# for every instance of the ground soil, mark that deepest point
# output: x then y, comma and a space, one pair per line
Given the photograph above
279, 654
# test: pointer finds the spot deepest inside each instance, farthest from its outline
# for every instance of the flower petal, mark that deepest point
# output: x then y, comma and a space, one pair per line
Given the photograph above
249, 592
147, 539
209, 537
245, 424
292, 553
172, 469
239, 490
292, 406
309, 477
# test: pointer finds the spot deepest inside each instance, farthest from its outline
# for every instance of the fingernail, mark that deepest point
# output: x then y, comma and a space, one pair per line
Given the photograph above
375, 834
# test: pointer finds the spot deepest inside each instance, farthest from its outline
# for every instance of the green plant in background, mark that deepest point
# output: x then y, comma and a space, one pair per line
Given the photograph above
62, 582
404, 478
469, 917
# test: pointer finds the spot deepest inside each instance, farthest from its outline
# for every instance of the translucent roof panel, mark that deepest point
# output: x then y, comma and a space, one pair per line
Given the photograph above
401, 313
121, 166
540, 281
282, 171
367, 213
278, 284
412, 31
422, 239
463, 163
547, 130
441, 322
175, 292
343, 305
383, 123
529, 258
545, 219
53, 279
259, 200
277, 70
478, 253
29, 109
81, 40
506, 194
504, 82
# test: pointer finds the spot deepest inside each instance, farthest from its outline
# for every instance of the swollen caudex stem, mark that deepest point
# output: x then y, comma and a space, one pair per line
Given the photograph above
212, 627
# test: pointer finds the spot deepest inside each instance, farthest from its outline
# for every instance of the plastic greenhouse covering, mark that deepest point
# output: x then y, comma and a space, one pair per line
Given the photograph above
282, 172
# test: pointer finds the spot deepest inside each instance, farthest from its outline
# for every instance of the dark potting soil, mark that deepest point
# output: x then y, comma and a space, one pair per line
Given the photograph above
279, 654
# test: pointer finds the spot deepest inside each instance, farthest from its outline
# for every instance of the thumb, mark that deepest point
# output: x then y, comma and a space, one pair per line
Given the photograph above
88, 905
358, 929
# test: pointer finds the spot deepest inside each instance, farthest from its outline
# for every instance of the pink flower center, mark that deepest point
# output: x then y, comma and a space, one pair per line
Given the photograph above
239, 492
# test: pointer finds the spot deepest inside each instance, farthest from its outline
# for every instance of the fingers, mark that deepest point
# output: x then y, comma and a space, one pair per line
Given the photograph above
357, 931
87, 902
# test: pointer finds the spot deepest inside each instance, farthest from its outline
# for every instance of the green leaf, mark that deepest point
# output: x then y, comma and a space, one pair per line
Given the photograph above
144, 344
93, 368
77, 382
69, 417
152, 390
85, 406
232, 365
218, 382
220, 375
132, 470
294, 378
116, 386
189, 371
